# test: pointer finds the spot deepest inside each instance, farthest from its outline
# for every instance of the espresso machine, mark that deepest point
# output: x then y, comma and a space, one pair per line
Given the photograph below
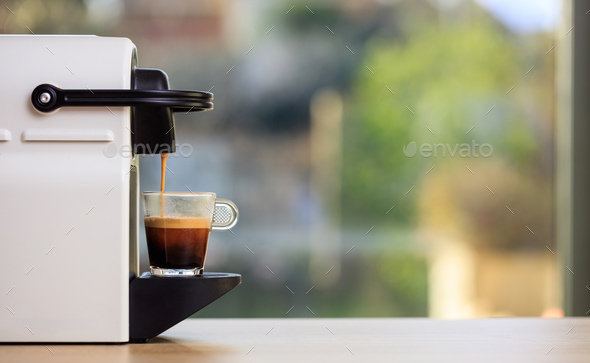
75, 113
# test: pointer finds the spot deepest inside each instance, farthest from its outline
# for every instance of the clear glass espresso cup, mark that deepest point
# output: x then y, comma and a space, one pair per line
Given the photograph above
177, 227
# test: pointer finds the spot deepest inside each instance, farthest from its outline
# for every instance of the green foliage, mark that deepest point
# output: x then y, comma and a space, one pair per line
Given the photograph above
45, 17
406, 276
446, 79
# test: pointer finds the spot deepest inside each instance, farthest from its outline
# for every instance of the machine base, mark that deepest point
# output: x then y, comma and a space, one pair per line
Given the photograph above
158, 303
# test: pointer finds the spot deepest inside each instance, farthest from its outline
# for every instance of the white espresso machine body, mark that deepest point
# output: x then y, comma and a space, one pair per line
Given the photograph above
65, 200
74, 112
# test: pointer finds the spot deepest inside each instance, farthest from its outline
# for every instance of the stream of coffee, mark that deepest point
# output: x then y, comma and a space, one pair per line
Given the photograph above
163, 183
163, 180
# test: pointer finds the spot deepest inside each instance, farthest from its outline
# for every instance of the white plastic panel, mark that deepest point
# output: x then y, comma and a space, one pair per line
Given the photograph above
64, 210
68, 135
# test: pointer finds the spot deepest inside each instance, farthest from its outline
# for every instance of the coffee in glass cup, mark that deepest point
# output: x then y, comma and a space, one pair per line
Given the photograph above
178, 226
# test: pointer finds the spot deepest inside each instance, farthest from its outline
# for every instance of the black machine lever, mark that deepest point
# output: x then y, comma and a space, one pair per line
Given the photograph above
152, 106
48, 98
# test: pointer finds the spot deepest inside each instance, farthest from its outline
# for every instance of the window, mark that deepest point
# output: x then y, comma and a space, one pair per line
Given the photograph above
389, 158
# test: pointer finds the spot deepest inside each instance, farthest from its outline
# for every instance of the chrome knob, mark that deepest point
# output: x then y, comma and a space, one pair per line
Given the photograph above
44, 97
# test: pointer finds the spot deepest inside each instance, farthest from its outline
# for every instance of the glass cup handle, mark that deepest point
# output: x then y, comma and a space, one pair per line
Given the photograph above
225, 215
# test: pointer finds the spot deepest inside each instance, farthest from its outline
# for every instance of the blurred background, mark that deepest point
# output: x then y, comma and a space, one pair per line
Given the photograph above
389, 158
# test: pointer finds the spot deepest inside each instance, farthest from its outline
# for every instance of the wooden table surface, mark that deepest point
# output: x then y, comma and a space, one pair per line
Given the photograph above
337, 340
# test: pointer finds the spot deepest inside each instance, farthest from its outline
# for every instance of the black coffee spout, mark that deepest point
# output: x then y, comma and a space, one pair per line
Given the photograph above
152, 127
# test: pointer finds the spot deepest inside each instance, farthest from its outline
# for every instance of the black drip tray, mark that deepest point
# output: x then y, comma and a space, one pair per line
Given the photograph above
158, 303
